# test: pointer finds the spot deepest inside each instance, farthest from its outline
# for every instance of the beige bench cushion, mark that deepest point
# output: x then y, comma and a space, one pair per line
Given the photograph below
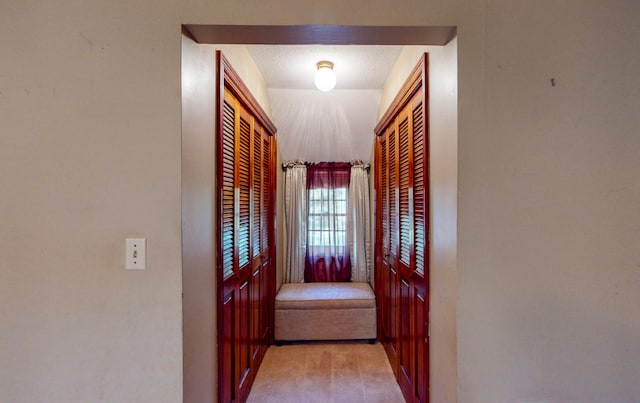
325, 296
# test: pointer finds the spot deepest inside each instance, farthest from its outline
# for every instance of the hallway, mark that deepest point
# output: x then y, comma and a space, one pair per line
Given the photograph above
324, 373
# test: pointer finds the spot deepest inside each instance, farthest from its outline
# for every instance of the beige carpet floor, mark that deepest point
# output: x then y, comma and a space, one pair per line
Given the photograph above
325, 373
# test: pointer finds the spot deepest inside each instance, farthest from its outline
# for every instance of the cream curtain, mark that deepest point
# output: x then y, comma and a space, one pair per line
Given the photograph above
295, 211
359, 222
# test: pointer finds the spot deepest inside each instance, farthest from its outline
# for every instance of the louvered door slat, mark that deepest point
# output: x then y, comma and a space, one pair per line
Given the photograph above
393, 188
266, 192
384, 193
419, 212
257, 192
228, 163
244, 189
403, 191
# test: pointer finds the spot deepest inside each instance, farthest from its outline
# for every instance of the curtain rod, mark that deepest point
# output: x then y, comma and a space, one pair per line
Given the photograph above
354, 163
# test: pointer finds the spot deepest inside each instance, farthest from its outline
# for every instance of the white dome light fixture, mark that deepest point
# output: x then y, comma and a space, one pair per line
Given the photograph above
325, 78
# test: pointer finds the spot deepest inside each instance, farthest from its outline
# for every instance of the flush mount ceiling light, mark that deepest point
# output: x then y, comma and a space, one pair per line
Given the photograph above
325, 78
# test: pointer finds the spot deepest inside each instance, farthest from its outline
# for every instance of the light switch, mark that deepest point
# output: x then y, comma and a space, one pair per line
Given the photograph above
136, 253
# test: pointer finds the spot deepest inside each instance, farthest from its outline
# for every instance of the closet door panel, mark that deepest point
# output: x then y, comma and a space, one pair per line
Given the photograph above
393, 287
243, 351
387, 204
405, 359
255, 289
228, 384
228, 320
405, 251
256, 244
421, 260
393, 243
267, 218
402, 220
243, 247
265, 317
246, 234
381, 228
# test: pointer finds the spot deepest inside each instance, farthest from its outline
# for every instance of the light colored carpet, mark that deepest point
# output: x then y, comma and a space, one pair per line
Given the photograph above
325, 373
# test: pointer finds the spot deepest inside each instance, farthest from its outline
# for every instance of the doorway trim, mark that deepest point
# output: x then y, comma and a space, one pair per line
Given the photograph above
321, 34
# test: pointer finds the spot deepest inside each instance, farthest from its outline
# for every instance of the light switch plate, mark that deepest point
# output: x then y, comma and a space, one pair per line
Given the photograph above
136, 253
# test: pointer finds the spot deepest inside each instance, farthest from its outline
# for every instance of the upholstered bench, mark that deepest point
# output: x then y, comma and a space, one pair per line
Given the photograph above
325, 311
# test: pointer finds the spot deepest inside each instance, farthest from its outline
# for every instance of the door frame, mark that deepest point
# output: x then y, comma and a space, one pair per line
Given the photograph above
195, 379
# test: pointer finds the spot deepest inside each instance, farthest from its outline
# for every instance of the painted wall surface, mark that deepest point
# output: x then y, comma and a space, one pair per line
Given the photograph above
246, 68
548, 207
443, 118
199, 235
549, 224
199, 206
443, 164
89, 155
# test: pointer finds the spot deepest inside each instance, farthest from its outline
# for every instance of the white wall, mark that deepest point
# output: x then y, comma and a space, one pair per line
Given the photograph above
548, 208
198, 231
246, 68
89, 155
443, 164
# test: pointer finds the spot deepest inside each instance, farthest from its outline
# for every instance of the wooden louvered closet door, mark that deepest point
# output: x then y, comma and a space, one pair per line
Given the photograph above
246, 235
401, 167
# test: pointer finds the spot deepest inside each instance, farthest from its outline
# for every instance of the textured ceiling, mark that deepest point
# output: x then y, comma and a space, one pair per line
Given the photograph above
316, 126
294, 66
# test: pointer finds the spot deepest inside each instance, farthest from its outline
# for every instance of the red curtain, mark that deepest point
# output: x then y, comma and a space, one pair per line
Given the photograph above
327, 258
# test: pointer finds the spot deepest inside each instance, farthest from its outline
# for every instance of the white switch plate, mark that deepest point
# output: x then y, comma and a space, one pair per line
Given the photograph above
136, 253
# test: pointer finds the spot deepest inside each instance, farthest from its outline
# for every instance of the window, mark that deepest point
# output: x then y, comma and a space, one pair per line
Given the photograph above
327, 257
327, 217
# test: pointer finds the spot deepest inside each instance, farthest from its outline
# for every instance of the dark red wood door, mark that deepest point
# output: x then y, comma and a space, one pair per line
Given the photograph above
235, 233
228, 316
246, 232
420, 259
402, 206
